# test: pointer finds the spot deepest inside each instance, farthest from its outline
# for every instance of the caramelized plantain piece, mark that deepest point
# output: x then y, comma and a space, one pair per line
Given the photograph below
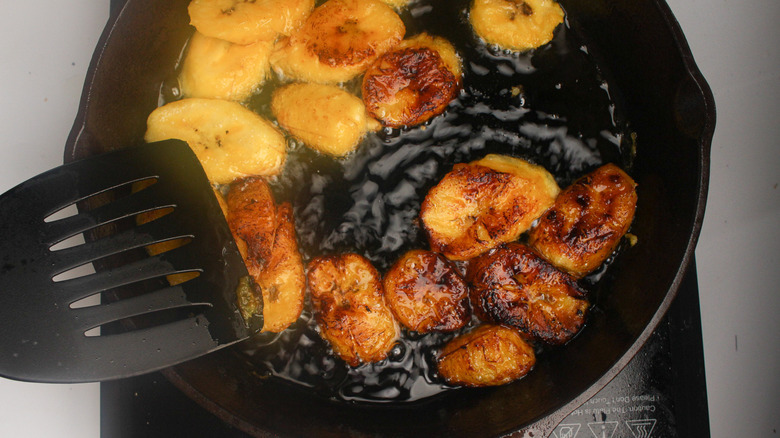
252, 217
426, 293
515, 24
265, 236
282, 281
480, 205
587, 221
514, 286
488, 356
414, 82
350, 309
325, 117
338, 41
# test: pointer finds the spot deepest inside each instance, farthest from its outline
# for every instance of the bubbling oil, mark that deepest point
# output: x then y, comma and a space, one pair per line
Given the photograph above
550, 106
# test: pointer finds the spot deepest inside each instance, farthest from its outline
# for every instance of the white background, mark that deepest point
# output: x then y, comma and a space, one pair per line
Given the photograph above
45, 48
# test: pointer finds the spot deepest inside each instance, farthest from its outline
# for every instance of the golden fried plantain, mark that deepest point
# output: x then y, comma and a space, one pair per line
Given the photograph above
515, 24
512, 285
248, 21
265, 236
217, 69
480, 205
338, 41
426, 293
587, 221
230, 140
488, 356
252, 217
325, 117
397, 4
413, 82
282, 280
350, 309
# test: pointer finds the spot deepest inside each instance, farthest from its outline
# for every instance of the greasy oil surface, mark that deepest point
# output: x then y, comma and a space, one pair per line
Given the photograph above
550, 106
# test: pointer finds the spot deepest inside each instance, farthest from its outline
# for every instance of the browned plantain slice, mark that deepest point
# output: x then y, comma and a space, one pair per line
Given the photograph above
426, 293
480, 205
413, 82
282, 280
252, 217
338, 41
587, 221
266, 238
350, 308
488, 356
514, 286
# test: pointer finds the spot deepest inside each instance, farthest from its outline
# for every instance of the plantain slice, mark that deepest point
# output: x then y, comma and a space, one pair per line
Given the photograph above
517, 25
480, 205
514, 286
252, 217
397, 4
282, 280
217, 69
350, 308
413, 82
229, 140
490, 355
587, 221
426, 293
325, 117
248, 21
267, 243
338, 41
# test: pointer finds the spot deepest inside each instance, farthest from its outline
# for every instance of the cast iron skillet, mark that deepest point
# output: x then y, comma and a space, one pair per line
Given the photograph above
670, 106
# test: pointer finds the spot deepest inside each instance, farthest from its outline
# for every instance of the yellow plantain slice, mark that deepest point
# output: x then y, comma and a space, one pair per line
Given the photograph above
218, 69
248, 21
324, 117
229, 140
397, 4
338, 41
515, 24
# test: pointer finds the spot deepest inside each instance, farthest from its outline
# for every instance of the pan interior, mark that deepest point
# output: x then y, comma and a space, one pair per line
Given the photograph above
612, 63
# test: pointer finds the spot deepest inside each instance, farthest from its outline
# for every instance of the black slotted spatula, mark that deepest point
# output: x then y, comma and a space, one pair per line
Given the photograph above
159, 307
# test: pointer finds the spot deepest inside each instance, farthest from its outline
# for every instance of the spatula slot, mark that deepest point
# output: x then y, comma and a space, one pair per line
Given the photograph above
138, 288
153, 319
100, 197
70, 242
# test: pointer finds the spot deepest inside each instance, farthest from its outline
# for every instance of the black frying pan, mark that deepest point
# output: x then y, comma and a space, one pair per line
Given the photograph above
640, 48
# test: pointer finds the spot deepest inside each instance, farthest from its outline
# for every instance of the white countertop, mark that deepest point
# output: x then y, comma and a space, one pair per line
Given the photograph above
46, 51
